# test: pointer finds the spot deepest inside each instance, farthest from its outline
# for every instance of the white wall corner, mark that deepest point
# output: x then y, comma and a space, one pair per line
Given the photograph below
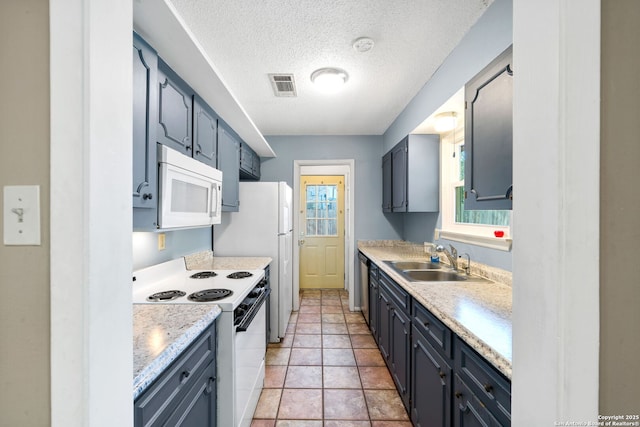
91, 131
556, 169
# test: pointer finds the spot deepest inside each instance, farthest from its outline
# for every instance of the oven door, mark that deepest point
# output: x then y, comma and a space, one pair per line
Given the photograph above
250, 343
187, 199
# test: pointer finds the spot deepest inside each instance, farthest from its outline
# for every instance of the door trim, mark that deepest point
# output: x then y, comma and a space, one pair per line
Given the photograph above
344, 167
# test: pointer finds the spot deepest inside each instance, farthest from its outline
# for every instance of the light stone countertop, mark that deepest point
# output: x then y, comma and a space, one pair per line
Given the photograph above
206, 261
160, 333
478, 312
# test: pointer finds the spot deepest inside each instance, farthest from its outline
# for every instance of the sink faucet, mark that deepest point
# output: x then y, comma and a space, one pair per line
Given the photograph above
467, 269
451, 256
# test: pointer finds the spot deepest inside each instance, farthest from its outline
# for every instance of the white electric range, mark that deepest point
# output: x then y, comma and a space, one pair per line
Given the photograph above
241, 327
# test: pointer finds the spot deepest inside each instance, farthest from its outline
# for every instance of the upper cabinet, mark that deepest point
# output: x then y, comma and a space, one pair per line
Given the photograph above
145, 104
205, 133
411, 175
167, 111
386, 182
185, 122
228, 163
399, 168
249, 163
175, 111
489, 136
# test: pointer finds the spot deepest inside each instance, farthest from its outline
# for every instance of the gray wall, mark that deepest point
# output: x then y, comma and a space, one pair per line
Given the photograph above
370, 222
177, 244
491, 35
619, 209
24, 160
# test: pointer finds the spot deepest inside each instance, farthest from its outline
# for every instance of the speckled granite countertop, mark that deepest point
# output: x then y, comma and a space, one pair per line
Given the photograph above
205, 261
160, 333
478, 312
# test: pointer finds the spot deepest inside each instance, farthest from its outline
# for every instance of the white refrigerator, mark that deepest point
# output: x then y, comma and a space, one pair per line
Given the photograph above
263, 227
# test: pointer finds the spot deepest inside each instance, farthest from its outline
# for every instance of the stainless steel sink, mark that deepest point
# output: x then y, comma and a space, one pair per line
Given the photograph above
422, 271
414, 265
434, 276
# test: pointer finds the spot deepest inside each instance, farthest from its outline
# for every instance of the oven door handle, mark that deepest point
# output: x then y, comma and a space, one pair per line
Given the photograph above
248, 318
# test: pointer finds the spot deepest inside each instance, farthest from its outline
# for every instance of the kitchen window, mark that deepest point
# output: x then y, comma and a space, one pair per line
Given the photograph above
468, 226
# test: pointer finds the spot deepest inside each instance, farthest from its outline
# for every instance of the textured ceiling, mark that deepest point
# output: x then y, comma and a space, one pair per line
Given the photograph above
248, 39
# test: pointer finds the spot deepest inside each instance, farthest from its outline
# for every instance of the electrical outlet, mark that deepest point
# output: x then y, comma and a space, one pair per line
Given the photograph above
436, 234
161, 242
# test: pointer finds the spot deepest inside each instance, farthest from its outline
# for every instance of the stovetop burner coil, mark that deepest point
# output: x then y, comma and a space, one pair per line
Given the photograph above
207, 295
203, 275
239, 275
166, 296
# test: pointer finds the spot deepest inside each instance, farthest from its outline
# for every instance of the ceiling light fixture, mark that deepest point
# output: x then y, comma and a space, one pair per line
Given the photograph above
329, 80
445, 121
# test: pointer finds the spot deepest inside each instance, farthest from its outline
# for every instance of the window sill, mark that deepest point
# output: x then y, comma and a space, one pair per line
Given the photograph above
472, 239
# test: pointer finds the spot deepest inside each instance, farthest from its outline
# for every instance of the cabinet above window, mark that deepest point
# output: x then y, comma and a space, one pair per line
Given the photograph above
489, 136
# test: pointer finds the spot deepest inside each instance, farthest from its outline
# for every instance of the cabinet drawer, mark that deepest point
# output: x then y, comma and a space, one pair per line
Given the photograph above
399, 295
438, 335
157, 402
489, 385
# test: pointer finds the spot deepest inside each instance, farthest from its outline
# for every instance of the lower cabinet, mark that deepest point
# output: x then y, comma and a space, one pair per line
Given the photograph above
400, 353
469, 411
431, 382
384, 323
395, 333
185, 393
198, 408
478, 384
374, 294
441, 380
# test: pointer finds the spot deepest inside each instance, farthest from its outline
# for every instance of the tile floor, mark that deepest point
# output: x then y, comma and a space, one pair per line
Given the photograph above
327, 371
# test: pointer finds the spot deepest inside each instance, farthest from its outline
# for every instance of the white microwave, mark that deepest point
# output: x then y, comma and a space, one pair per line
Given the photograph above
190, 191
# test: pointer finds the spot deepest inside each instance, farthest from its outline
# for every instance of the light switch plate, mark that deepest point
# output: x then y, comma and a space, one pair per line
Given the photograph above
21, 214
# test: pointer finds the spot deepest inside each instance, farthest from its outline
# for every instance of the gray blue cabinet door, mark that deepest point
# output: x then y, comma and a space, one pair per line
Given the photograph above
145, 69
399, 176
468, 410
175, 107
205, 133
145, 116
489, 136
400, 354
431, 382
249, 163
198, 408
386, 182
229, 164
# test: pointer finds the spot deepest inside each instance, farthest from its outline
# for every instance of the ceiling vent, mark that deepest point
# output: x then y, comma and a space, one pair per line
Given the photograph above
283, 84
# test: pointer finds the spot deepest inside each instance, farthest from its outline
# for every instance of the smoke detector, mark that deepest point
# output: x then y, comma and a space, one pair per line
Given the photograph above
363, 44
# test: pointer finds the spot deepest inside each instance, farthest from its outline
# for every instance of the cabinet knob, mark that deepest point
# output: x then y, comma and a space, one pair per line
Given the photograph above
442, 374
147, 196
184, 375
458, 394
209, 388
426, 324
488, 388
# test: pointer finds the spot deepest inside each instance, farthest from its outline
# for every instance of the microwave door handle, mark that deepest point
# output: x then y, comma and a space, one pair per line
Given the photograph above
214, 198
